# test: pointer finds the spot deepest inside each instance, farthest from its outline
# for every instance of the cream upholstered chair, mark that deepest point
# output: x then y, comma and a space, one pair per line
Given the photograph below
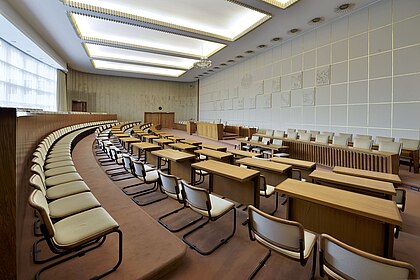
265, 141
57, 179
300, 131
207, 205
267, 191
305, 136
341, 141
292, 135
278, 142
363, 136
408, 144
269, 132
314, 133
380, 139
279, 133
287, 238
322, 138
290, 130
391, 147
128, 164
348, 135
65, 241
330, 134
148, 175
400, 198
248, 147
172, 187
360, 143
341, 261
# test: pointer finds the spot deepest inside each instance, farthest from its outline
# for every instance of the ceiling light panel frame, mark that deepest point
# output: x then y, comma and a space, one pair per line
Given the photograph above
282, 4
244, 18
104, 52
116, 33
135, 68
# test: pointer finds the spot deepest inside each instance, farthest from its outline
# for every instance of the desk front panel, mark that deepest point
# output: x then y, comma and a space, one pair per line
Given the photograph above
246, 193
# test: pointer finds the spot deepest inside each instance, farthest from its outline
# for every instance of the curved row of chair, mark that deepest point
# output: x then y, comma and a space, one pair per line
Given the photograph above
72, 220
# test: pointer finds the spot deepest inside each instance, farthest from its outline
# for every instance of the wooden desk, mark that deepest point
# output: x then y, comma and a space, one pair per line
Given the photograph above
183, 147
147, 148
274, 173
214, 147
233, 182
216, 155
121, 135
165, 135
191, 127
210, 130
305, 167
271, 147
191, 142
380, 176
247, 131
149, 138
179, 163
354, 184
241, 154
176, 138
161, 142
362, 221
413, 154
128, 141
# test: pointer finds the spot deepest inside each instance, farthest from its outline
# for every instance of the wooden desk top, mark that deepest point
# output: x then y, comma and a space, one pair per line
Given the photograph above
150, 137
191, 142
173, 155
130, 139
182, 146
226, 170
295, 162
265, 164
146, 146
386, 177
354, 182
243, 153
364, 205
120, 135
162, 141
176, 138
214, 147
166, 135
260, 144
213, 154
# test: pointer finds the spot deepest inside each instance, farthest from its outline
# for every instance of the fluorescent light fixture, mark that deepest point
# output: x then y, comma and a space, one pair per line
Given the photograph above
142, 69
223, 19
283, 4
125, 55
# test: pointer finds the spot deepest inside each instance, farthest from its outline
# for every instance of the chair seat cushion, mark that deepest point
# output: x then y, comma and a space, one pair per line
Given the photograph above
55, 159
174, 196
269, 191
73, 204
67, 189
60, 170
83, 227
58, 164
281, 155
63, 178
59, 154
310, 240
219, 207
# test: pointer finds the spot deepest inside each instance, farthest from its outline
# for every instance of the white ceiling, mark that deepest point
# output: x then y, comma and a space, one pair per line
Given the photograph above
187, 28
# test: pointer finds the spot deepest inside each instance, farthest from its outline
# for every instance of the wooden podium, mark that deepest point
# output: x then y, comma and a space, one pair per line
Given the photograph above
165, 120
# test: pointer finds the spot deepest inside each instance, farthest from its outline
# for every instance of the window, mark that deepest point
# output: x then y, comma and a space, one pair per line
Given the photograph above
26, 82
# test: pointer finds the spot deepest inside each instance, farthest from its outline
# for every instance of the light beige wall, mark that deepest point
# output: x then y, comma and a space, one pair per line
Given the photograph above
129, 97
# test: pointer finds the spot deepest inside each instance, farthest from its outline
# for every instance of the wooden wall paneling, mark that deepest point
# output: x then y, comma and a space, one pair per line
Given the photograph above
8, 268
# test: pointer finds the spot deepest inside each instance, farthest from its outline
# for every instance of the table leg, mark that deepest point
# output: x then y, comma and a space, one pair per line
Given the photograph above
416, 161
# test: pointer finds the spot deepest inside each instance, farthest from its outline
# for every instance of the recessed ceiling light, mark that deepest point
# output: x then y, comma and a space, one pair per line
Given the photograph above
294, 30
343, 8
210, 70
216, 67
205, 73
261, 46
13, 41
223, 64
134, 68
231, 60
276, 39
249, 51
239, 56
196, 77
200, 75
316, 21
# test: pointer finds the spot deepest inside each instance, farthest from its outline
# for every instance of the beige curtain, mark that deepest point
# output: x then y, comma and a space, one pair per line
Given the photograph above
61, 91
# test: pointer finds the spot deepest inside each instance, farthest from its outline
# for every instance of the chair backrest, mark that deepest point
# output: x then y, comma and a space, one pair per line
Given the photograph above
290, 130
345, 261
277, 142
38, 161
380, 139
322, 138
36, 182
410, 143
139, 169
314, 133
37, 169
169, 183
263, 184
279, 133
348, 135
255, 138
269, 132
362, 136
392, 147
196, 197
283, 233
305, 136
127, 162
362, 143
38, 202
266, 140
292, 135
331, 134
340, 140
